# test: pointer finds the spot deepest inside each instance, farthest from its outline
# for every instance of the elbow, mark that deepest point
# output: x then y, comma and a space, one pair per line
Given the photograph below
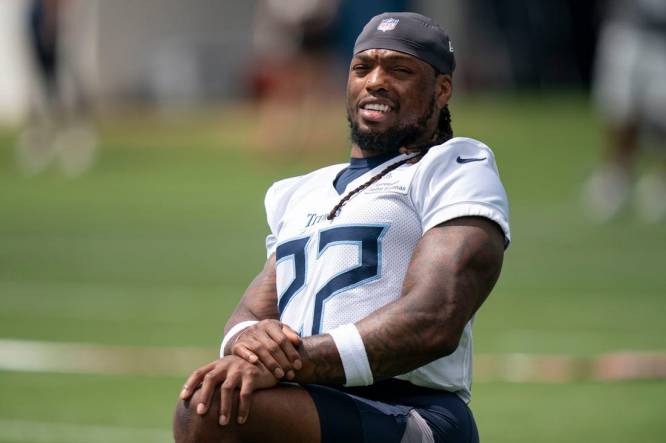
442, 342
447, 331
447, 345
439, 335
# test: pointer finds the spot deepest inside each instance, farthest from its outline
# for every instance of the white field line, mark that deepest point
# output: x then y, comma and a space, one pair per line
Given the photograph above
39, 356
45, 432
615, 366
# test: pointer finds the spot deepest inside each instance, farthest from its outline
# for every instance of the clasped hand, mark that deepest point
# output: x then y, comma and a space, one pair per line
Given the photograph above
273, 344
262, 355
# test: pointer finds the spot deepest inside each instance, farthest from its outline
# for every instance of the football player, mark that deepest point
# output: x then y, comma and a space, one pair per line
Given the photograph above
359, 327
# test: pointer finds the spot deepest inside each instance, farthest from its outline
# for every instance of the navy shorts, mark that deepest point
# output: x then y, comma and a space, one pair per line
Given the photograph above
392, 411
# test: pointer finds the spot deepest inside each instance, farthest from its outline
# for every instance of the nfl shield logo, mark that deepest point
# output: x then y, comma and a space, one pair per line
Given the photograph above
388, 24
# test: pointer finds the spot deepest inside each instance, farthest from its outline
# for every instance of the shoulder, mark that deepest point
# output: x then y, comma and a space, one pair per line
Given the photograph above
459, 161
456, 152
457, 179
286, 187
460, 158
281, 193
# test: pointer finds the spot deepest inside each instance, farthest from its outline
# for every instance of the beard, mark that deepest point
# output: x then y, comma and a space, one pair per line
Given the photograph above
394, 138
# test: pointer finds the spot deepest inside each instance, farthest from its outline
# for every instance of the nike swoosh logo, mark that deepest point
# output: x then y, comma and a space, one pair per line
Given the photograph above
469, 160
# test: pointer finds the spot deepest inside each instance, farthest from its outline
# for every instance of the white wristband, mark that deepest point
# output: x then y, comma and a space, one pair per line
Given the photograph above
233, 331
352, 353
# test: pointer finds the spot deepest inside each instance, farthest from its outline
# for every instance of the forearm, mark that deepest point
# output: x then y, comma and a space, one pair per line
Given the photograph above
321, 361
259, 302
416, 334
385, 333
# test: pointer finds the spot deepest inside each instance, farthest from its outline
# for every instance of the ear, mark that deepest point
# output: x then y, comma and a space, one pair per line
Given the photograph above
443, 89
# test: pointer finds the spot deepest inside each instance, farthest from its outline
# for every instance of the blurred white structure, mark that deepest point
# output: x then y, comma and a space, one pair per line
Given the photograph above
177, 53
14, 84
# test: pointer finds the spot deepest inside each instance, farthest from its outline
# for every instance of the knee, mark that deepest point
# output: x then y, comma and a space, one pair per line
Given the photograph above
190, 427
186, 423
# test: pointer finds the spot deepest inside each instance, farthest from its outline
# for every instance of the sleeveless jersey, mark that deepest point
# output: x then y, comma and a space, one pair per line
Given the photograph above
334, 272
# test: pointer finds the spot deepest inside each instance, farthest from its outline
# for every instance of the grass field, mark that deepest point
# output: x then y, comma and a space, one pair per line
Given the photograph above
155, 245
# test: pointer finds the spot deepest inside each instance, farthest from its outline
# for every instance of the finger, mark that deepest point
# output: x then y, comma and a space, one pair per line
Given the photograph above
245, 399
194, 380
262, 349
287, 355
242, 351
211, 379
287, 347
226, 397
273, 339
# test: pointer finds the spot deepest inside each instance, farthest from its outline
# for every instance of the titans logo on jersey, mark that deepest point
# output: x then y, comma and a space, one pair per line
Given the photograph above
334, 272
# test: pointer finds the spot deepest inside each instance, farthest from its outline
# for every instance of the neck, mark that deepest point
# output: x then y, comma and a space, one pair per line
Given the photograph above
357, 152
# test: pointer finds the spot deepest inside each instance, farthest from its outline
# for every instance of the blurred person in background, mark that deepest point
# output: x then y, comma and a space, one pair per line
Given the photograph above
375, 271
630, 89
59, 125
301, 49
294, 71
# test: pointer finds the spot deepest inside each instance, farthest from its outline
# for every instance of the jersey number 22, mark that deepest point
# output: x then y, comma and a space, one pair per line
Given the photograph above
368, 240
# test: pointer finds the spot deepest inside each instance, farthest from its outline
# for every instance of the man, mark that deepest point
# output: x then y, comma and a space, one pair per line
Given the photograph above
630, 92
378, 265
59, 127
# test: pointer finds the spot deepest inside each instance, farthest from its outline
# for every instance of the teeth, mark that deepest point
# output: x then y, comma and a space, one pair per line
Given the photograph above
377, 107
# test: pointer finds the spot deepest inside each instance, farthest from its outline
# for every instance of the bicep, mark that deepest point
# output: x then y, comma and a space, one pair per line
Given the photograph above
454, 267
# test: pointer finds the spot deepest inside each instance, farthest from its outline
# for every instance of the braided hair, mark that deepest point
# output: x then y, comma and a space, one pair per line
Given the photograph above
444, 133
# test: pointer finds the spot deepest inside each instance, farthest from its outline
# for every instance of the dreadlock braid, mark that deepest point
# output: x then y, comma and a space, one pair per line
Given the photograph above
345, 199
444, 133
444, 129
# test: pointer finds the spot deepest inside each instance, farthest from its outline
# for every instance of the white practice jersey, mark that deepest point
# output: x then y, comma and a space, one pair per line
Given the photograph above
330, 273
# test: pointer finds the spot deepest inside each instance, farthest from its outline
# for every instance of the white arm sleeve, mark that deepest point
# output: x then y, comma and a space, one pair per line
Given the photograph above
460, 179
276, 201
271, 238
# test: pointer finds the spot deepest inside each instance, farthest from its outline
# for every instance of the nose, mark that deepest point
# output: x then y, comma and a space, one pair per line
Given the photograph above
376, 80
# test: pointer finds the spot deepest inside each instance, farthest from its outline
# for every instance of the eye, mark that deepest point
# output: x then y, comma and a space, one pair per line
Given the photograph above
359, 67
402, 70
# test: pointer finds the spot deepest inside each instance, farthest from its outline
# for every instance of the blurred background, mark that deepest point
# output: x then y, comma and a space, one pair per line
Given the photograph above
137, 140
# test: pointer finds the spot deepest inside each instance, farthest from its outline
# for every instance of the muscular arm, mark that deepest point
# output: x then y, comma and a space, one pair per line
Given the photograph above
259, 302
453, 269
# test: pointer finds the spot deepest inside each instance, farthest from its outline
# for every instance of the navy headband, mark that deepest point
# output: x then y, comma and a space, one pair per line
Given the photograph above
411, 33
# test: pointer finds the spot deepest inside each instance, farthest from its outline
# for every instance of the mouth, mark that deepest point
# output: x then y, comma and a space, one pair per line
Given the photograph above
373, 110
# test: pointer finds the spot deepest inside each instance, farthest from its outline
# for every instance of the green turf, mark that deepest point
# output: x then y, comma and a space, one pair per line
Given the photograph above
89, 399
578, 412
156, 244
